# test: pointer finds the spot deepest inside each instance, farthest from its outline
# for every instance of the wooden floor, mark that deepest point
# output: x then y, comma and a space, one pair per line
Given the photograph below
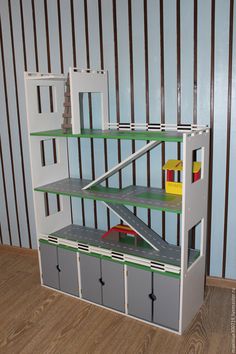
34, 320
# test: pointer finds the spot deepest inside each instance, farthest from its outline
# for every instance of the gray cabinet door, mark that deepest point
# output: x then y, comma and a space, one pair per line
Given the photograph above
113, 293
166, 306
48, 255
68, 271
139, 288
90, 272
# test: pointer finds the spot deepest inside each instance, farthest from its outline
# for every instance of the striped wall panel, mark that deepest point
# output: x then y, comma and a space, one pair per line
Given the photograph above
171, 61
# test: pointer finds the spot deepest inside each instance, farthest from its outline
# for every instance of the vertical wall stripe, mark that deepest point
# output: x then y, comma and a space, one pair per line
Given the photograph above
162, 69
102, 67
35, 36
74, 64
109, 60
195, 40
229, 104
23, 34
47, 198
117, 93
170, 59
4, 183
81, 55
1, 234
220, 133
73, 202
147, 93
90, 106
107, 184
60, 35
116, 62
231, 240
204, 62
195, 36
178, 42
62, 71
131, 70
212, 91
131, 65
146, 63
78, 140
124, 74
81, 176
162, 63
73, 32
100, 34
117, 83
47, 37
19, 125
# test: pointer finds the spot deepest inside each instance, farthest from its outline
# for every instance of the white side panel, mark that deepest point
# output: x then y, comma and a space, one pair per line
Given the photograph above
88, 81
44, 121
192, 293
48, 224
47, 174
195, 199
50, 173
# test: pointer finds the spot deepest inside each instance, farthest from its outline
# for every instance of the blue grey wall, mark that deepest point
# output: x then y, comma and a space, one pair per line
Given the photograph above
170, 61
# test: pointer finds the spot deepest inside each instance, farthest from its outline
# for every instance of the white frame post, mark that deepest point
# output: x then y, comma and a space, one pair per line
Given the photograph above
194, 210
50, 173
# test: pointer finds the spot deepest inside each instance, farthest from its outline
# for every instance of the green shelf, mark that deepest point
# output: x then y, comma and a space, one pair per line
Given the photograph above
144, 197
168, 136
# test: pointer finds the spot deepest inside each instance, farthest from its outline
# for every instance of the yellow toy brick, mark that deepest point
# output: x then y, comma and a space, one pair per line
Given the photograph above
174, 187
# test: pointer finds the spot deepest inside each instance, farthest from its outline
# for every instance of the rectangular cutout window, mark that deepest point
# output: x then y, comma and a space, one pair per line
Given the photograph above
194, 242
52, 204
197, 165
46, 102
48, 152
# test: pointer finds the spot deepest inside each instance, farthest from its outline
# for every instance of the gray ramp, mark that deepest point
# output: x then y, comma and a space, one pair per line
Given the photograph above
139, 226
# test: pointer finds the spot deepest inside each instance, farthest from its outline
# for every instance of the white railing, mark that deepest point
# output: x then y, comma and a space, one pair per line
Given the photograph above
157, 127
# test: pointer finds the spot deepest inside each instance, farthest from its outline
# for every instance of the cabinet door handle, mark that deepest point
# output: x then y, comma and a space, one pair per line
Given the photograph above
152, 297
101, 281
58, 268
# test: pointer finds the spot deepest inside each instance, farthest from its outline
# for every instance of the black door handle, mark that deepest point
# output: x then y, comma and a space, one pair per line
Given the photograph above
58, 268
152, 297
101, 281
